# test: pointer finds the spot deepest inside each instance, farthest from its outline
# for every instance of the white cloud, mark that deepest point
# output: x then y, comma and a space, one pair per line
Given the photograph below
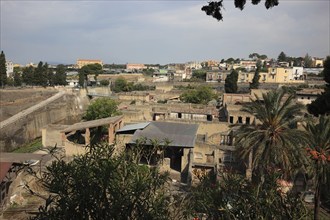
160, 32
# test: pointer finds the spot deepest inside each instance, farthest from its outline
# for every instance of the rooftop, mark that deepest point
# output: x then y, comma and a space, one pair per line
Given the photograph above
179, 134
92, 124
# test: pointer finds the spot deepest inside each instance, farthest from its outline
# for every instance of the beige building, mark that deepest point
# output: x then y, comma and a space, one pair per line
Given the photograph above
317, 62
248, 64
306, 96
284, 75
135, 66
82, 62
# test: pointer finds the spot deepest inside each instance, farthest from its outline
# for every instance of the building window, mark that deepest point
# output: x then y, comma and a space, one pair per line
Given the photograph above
229, 157
179, 115
209, 117
231, 119
240, 120
247, 120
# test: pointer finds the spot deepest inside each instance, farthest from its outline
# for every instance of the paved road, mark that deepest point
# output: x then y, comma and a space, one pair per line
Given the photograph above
28, 111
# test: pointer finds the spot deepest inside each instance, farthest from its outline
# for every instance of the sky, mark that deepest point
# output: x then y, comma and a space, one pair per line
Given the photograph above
159, 32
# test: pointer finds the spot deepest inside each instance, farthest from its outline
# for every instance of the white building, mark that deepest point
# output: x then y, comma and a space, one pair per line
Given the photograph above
296, 73
193, 65
10, 68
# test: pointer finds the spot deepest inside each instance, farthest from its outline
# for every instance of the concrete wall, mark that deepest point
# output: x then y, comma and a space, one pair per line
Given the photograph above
67, 109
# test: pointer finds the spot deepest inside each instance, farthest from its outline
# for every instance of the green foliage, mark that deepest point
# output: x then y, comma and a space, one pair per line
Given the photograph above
42, 75
148, 71
115, 66
231, 82
321, 105
60, 75
257, 56
86, 70
121, 85
3, 69
28, 75
255, 81
103, 185
233, 197
273, 139
308, 62
214, 7
101, 108
200, 95
30, 147
17, 77
182, 87
318, 150
199, 74
104, 82
151, 150
282, 57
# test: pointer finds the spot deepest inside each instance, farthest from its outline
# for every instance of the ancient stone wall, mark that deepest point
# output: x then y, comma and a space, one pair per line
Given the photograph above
67, 108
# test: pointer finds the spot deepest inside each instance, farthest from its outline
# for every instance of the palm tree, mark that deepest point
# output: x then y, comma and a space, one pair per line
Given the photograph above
319, 153
272, 141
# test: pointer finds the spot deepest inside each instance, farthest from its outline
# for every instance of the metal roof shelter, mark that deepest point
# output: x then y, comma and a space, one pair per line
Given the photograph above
92, 124
179, 134
133, 127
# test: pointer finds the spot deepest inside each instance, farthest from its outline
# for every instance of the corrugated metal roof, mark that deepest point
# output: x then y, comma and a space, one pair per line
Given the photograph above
179, 134
133, 127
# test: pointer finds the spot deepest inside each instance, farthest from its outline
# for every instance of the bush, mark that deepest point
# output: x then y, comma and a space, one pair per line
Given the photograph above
104, 82
101, 108
200, 95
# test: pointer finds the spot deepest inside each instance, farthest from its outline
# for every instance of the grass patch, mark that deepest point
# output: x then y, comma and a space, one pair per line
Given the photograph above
30, 147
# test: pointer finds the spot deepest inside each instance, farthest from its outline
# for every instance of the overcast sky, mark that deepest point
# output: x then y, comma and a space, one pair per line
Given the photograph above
159, 31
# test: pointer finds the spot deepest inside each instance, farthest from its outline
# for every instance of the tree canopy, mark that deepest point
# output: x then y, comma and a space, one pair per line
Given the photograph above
42, 75
273, 140
86, 70
255, 81
3, 69
60, 75
234, 197
257, 56
121, 85
282, 57
231, 82
321, 105
213, 8
101, 108
199, 95
199, 74
103, 185
318, 150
